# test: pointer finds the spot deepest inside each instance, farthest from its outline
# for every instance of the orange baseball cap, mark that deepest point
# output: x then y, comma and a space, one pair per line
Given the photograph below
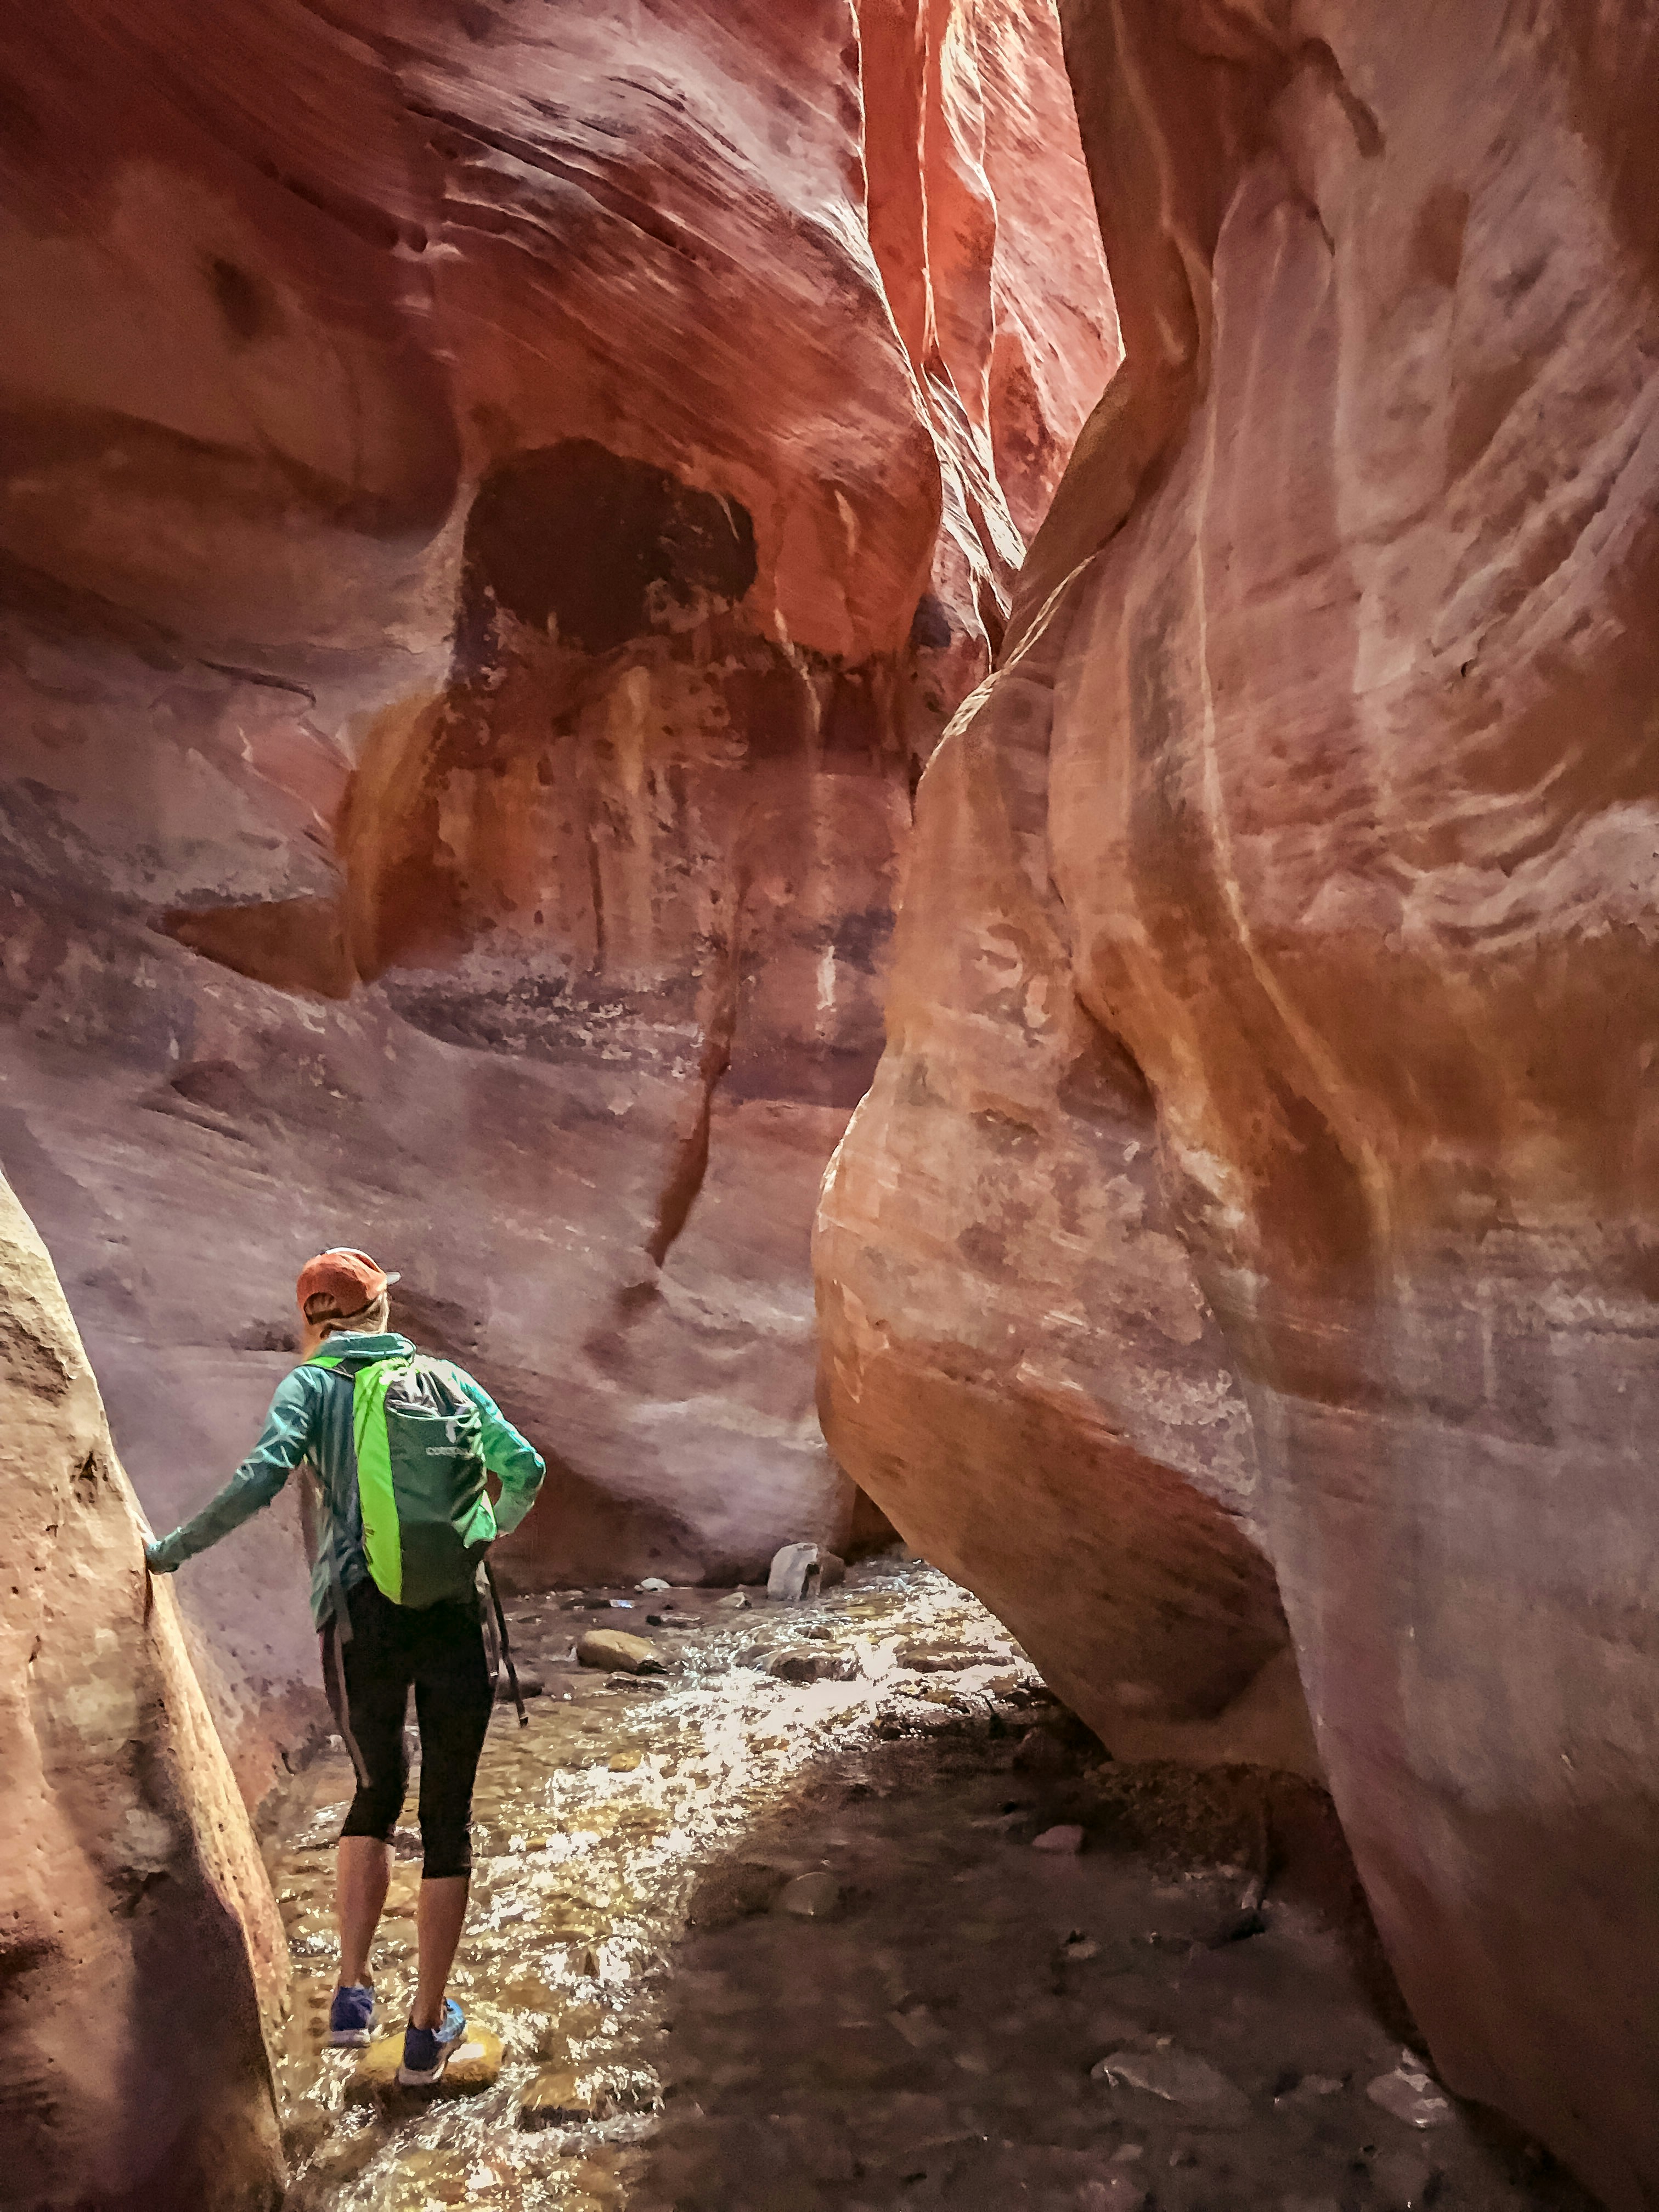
350, 1279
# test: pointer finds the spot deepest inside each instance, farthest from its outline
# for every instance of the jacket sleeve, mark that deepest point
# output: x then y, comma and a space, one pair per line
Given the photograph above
284, 1441
518, 1464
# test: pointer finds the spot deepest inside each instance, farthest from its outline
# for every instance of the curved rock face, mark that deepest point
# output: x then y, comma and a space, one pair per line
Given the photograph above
500, 503
1323, 777
138, 1936
1017, 1360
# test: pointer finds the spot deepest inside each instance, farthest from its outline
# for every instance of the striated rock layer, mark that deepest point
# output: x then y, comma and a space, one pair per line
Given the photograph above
138, 1935
499, 502
1308, 836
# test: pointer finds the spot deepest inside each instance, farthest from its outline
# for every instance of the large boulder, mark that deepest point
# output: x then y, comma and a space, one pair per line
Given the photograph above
139, 1939
499, 503
1305, 845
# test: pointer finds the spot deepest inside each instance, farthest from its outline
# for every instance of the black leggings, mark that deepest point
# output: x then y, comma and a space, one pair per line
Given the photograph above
439, 1649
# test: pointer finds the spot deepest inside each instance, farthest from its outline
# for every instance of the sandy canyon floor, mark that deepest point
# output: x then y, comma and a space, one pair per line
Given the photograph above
788, 1926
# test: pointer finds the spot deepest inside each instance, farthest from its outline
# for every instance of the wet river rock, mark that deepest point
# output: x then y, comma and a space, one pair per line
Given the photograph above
472, 2068
611, 1649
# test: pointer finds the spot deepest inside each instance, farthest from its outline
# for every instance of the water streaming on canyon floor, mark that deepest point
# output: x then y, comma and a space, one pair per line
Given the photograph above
690, 2022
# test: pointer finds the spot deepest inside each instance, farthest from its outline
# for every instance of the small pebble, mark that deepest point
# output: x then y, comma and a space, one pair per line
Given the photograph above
810, 1896
1411, 2096
1311, 2087
1111, 2192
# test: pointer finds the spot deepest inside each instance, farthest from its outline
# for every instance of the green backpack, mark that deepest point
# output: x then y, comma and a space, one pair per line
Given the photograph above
426, 1516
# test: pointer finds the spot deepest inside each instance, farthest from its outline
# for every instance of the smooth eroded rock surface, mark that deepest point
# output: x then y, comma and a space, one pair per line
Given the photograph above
499, 502
1256, 1205
139, 1937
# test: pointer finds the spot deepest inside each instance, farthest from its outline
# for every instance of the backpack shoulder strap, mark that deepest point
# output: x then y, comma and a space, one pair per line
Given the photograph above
331, 1364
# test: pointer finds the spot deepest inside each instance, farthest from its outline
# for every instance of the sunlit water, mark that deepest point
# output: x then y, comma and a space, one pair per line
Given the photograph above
931, 2044
592, 1827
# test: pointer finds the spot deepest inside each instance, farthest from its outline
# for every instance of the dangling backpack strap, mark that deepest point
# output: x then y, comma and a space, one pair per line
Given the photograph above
335, 1586
507, 1647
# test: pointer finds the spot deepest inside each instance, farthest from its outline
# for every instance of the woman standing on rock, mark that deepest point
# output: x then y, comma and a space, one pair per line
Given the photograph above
399, 1445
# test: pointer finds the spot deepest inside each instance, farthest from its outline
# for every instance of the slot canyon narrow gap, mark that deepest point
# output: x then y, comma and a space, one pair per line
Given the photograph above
912, 741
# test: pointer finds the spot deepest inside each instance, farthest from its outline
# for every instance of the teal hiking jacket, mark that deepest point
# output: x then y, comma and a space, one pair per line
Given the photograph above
310, 1419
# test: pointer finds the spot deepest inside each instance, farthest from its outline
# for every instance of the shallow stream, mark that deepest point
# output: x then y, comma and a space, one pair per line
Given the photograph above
757, 1944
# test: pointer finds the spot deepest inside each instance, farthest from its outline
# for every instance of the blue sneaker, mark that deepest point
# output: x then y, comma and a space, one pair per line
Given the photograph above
350, 2016
428, 2051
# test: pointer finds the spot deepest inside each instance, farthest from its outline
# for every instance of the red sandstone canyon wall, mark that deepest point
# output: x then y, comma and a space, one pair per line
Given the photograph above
1251, 1231
139, 1940
498, 503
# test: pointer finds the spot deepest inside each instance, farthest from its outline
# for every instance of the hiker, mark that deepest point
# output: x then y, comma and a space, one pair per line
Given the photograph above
398, 1445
